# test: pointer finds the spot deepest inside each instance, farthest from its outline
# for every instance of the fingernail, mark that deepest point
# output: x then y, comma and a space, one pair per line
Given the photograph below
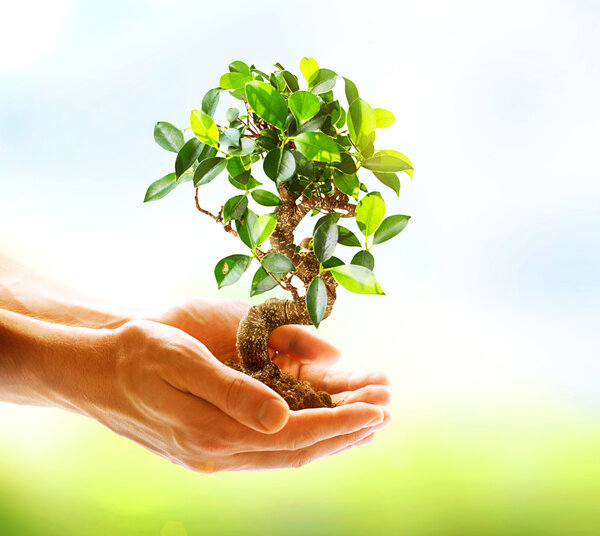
272, 414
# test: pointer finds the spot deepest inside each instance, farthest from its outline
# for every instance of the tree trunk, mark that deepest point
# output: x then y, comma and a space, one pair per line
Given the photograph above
253, 350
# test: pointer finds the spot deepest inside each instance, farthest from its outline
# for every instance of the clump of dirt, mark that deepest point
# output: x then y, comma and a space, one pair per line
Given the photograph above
298, 394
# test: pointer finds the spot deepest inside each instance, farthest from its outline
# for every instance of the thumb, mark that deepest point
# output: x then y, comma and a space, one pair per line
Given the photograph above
247, 400
301, 344
243, 398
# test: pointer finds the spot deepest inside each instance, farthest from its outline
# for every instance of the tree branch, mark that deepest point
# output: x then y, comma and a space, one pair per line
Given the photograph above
218, 218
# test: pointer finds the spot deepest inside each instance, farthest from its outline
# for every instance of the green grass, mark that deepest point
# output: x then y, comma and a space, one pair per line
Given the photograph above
522, 473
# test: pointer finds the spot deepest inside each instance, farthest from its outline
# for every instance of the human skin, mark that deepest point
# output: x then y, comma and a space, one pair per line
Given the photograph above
161, 382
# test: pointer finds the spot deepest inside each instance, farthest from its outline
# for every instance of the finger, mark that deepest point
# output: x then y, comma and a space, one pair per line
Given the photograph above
371, 436
371, 394
309, 426
298, 458
301, 344
207, 427
243, 398
387, 420
247, 400
365, 441
332, 381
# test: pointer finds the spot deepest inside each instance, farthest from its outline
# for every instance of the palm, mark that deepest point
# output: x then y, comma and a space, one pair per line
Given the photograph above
294, 349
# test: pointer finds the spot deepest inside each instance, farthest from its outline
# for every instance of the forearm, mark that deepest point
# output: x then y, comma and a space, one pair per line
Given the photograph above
28, 293
48, 364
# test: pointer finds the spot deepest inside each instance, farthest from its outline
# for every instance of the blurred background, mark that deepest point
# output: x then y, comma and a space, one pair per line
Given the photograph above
490, 328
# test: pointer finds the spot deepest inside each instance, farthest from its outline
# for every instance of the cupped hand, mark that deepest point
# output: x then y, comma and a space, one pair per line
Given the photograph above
214, 322
294, 349
170, 394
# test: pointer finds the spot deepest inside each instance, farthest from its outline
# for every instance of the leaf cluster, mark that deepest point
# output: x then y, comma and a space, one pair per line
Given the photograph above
300, 139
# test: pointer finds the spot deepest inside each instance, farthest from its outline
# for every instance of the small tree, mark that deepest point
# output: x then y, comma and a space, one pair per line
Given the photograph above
311, 149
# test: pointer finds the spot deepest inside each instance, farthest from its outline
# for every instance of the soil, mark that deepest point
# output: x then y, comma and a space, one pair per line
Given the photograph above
298, 394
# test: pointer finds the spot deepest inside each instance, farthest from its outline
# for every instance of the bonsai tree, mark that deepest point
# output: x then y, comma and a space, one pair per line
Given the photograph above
312, 152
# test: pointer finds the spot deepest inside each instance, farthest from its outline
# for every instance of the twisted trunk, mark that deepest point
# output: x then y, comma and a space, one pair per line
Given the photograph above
256, 327
253, 350
260, 321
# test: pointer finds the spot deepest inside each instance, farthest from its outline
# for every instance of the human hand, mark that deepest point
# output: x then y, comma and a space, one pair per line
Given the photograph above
214, 322
168, 393
296, 350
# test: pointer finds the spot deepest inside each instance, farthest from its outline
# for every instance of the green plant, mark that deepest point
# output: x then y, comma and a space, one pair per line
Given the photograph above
310, 149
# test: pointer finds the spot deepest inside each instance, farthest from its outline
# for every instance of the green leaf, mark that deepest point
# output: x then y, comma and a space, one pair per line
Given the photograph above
278, 82
308, 66
237, 165
311, 125
321, 81
244, 181
390, 227
262, 282
383, 118
253, 69
168, 136
230, 136
267, 103
347, 238
210, 101
303, 105
388, 161
356, 279
229, 270
265, 198
158, 189
247, 146
268, 140
239, 94
234, 80
389, 179
350, 90
208, 169
239, 67
347, 164
341, 120
279, 165
316, 300
235, 207
361, 124
347, 184
364, 258
325, 239
232, 114
187, 155
369, 213
327, 97
277, 263
208, 151
254, 231
343, 141
318, 146
264, 227
304, 166
204, 128
291, 80
245, 227
332, 262
332, 216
